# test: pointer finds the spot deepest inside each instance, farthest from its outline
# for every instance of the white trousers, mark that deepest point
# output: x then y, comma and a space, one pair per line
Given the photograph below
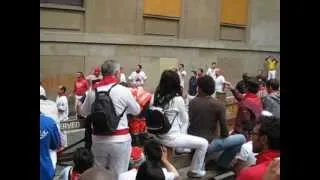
271, 74
179, 140
112, 155
76, 102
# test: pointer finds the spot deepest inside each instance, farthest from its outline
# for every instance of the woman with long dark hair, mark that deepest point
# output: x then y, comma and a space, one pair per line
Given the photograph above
156, 167
169, 96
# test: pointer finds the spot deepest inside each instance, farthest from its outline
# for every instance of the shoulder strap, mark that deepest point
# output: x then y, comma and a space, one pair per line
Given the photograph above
108, 92
123, 112
175, 117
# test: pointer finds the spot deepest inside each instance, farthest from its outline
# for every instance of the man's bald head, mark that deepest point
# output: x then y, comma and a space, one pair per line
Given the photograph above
218, 72
96, 173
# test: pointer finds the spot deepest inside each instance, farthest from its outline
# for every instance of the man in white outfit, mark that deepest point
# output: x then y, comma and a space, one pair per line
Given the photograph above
49, 108
122, 76
62, 104
138, 77
212, 70
113, 151
182, 74
219, 81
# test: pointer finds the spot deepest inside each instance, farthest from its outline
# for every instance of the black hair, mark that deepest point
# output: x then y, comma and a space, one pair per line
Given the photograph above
213, 63
206, 84
81, 73
268, 57
152, 150
83, 159
148, 170
273, 84
201, 70
152, 167
182, 65
245, 76
63, 88
253, 85
270, 126
168, 88
140, 66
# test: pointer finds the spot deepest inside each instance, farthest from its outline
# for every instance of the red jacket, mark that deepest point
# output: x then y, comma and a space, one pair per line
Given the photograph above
257, 171
80, 87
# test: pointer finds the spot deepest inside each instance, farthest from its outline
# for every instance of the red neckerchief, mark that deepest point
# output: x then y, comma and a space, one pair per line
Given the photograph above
75, 175
267, 156
253, 97
105, 81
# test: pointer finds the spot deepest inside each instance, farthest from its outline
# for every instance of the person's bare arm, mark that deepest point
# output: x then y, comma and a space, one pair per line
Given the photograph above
167, 164
234, 91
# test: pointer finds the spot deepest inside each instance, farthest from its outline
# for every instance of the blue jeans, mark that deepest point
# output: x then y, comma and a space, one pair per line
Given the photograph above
230, 146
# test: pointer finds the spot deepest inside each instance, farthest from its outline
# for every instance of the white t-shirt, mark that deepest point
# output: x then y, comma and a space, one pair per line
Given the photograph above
123, 77
62, 104
212, 72
246, 154
219, 82
177, 115
137, 78
182, 75
131, 175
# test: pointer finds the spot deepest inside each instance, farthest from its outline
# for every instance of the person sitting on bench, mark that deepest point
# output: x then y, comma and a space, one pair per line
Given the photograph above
205, 114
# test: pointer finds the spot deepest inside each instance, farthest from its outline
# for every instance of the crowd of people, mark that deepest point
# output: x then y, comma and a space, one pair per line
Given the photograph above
251, 149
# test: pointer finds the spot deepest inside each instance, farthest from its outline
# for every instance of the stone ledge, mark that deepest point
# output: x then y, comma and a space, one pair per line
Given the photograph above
93, 38
61, 7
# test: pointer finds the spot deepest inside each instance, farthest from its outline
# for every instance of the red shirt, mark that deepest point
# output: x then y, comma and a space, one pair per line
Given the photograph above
80, 87
249, 104
256, 172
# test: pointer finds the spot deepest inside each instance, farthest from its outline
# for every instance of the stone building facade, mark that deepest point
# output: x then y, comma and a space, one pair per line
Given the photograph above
76, 35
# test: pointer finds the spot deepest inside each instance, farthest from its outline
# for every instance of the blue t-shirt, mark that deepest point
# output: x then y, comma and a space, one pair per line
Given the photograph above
49, 139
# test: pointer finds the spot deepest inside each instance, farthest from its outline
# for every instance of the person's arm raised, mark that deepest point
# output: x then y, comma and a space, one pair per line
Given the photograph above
234, 91
167, 164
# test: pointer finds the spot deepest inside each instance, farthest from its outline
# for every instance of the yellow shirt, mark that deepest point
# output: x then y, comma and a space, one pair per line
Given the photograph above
271, 65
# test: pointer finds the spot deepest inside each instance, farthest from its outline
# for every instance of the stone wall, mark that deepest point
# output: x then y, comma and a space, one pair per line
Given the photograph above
77, 38
63, 54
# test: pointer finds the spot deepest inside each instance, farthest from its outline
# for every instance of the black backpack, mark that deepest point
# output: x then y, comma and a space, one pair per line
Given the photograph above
157, 121
103, 116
